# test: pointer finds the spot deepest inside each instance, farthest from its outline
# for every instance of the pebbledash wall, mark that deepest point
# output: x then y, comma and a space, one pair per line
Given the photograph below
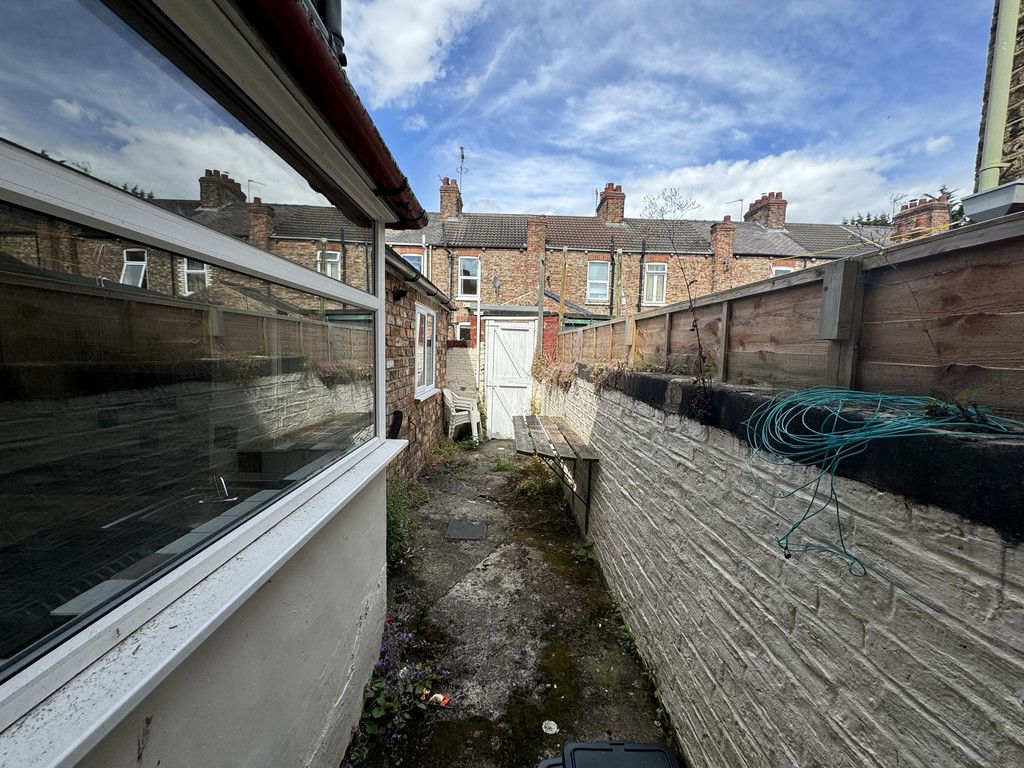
768, 661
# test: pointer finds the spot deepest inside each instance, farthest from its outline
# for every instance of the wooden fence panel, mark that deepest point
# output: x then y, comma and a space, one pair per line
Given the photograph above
773, 338
650, 341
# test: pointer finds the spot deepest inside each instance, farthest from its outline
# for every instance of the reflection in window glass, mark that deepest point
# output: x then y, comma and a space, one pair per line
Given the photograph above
597, 281
138, 423
655, 277
109, 105
425, 320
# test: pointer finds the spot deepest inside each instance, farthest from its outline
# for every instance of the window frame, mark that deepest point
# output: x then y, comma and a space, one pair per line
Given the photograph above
191, 272
662, 276
591, 298
323, 265
49, 188
469, 331
144, 262
780, 271
463, 294
428, 385
418, 264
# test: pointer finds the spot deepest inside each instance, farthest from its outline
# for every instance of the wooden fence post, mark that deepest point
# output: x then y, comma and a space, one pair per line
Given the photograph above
668, 340
630, 340
723, 342
842, 304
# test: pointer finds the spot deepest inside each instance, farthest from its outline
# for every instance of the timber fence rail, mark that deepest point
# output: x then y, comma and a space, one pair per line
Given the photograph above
934, 316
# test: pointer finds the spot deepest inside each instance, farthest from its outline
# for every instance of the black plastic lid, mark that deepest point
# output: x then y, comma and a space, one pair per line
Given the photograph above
618, 754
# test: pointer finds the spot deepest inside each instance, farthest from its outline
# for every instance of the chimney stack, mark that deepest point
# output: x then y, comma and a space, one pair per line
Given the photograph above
451, 199
611, 207
217, 189
261, 224
920, 218
723, 236
769, 211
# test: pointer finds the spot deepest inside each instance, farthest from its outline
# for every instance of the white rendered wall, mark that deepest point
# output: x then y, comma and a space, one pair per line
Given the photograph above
764, 661
280, 682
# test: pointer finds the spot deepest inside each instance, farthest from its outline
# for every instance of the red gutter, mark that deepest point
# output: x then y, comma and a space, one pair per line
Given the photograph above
294, 36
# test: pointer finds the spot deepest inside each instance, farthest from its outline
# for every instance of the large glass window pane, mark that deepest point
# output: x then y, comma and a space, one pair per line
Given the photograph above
137, 425
149, 400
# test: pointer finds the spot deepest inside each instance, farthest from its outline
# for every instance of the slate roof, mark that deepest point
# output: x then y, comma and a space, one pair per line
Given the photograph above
508, 230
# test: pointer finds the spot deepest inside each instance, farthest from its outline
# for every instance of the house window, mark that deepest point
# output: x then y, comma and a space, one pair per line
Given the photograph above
464, 332
134, 270
777, 271
329, 262
197, 276
415, 259
426, 320
469, 277
597, 281
180, 422
655, 278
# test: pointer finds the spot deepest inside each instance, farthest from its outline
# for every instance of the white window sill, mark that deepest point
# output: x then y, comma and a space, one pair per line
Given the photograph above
69, 699
425, 394
467, 298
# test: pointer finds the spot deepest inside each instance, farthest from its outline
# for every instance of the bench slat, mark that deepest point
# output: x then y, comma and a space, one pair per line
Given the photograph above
583, 451
522, 434
540, 438
561, 446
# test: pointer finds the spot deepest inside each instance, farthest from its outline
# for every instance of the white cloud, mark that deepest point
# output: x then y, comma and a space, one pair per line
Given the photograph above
396, 46
936, 145
67, 110
415, 123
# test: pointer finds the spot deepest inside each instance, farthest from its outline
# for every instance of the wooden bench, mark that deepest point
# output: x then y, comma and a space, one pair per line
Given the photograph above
562, 449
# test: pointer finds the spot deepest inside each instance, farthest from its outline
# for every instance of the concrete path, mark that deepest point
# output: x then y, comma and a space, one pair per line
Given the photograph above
523, 621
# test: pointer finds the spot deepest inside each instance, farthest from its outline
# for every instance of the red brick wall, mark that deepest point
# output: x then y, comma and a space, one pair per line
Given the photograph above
423, 420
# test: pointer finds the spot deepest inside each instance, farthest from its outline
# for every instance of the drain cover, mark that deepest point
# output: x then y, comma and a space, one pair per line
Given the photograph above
466, 529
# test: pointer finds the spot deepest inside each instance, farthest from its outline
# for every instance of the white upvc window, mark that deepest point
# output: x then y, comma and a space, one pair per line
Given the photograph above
414, 259
134, 270
197, 275
778, 271
329, 263
469, 277
426, 324
655, 282
464, 332
597, 281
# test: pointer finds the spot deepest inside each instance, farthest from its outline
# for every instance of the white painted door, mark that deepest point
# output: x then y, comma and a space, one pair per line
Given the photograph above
507, 377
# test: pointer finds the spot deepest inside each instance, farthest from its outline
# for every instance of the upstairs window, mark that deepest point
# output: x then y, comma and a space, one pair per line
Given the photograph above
655, 280
597, 281
134, 270
197, 276
329, 262
415, 259
469, 277
779, 271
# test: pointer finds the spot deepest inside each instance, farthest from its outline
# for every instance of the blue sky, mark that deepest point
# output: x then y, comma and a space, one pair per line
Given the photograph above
839, 105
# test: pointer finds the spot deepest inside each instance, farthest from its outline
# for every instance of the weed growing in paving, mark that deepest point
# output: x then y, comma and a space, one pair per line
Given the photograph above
398, 690
537, 479
505, 464
402, 499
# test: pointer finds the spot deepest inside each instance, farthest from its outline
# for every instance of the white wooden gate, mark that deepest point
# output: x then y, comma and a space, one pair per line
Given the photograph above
507, 377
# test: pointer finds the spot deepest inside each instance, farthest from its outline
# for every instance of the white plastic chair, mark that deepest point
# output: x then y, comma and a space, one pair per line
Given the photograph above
461, 410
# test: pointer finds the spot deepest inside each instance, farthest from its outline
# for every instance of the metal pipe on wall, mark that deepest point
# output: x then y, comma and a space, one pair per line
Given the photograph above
1003, 46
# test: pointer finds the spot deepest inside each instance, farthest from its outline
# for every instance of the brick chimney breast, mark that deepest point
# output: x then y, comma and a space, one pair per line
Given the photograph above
611, 206
922, 217
536, 236
261, 224
723, 236
451, 199
217, 189
769, 211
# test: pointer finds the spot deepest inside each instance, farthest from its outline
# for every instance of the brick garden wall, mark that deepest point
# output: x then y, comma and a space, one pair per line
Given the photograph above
767, 661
